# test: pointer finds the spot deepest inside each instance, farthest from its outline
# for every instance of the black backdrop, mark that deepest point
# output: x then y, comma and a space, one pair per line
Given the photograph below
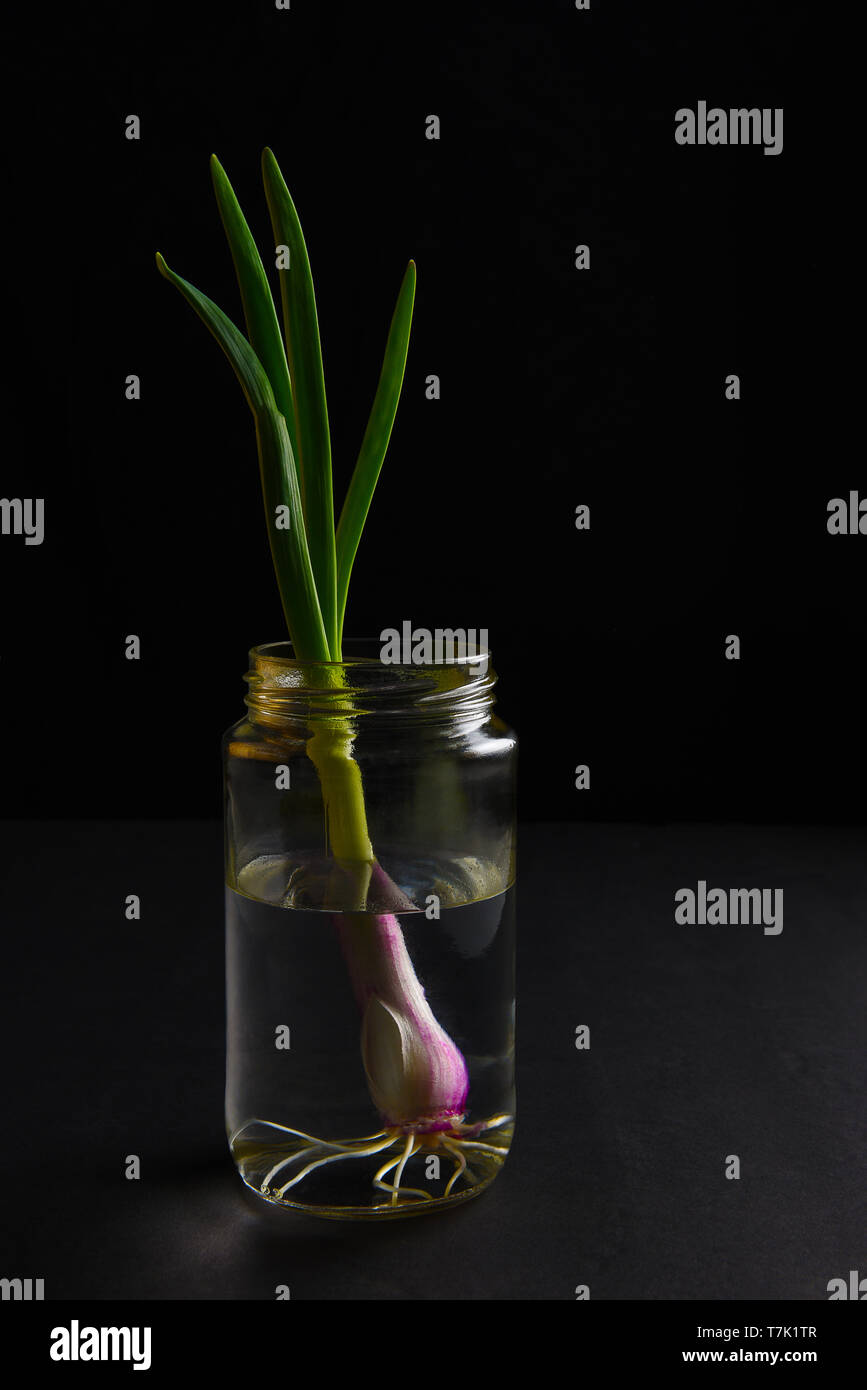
559, 387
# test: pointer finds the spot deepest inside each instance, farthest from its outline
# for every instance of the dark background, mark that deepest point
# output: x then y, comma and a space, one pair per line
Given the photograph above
558, 387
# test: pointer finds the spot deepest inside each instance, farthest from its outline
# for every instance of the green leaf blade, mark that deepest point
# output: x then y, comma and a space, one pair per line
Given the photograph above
375, 442
280, 486
304, 353
260, 315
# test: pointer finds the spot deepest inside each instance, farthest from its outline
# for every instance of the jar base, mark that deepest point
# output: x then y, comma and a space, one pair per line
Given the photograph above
374, 1177
385, 1212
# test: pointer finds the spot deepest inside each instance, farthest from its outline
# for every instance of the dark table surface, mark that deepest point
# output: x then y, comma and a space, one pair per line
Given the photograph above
706, 1041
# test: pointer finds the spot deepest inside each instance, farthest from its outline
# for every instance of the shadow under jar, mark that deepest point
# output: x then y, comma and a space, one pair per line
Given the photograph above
370, 920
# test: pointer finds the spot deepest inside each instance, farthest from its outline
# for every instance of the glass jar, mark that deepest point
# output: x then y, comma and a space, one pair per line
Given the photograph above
370, 868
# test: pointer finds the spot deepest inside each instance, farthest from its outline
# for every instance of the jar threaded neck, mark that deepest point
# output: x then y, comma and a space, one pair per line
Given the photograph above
282, 688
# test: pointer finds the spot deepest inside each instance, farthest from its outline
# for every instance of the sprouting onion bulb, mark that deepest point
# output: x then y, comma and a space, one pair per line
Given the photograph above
416, 1074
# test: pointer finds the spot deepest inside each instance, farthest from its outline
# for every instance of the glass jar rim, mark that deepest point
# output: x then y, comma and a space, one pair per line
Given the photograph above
281, 685
366, 651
